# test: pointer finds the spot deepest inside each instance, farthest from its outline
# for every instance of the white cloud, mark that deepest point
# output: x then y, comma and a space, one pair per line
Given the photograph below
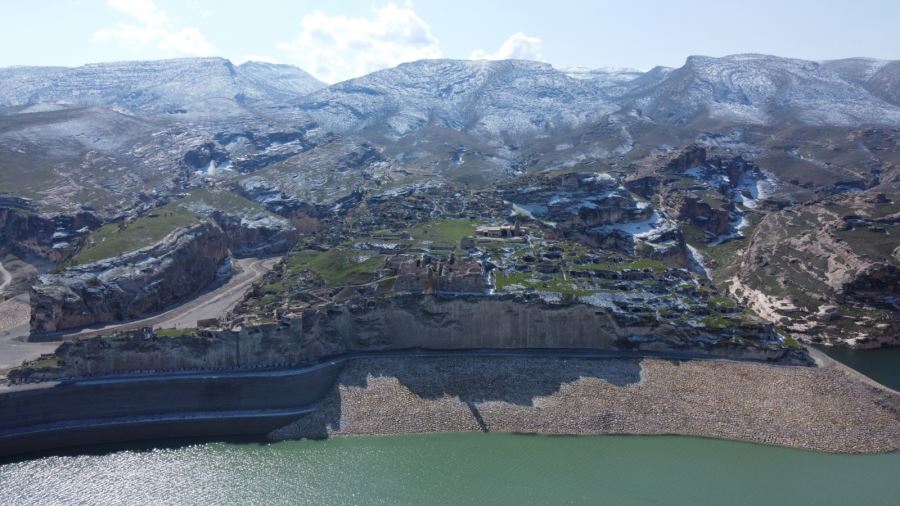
150, 25
334, 48
518, 46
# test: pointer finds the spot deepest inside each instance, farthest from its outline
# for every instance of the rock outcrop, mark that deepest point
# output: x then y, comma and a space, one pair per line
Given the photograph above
251, 232
825, 273
133, 284
50, 237
429, 275
413, 321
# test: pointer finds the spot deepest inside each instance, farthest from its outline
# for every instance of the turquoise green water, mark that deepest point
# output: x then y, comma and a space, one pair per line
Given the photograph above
459, 469
881, 365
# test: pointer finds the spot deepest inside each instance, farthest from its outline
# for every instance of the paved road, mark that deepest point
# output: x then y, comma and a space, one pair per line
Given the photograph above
217, 302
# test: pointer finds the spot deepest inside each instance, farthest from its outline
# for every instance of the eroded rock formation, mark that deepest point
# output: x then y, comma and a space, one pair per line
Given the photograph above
130, 285
413, 321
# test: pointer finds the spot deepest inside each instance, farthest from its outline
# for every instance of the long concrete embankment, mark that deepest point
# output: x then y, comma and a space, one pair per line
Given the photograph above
120, 408
537, 390
126, 408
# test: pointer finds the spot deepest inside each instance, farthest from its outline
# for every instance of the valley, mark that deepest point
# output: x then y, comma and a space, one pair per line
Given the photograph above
192, 215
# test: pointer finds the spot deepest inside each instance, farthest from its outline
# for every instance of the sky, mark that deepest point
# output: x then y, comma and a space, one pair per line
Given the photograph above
339, 40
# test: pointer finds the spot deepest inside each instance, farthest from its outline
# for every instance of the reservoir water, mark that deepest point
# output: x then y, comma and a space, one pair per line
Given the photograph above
881, 365
467, 468
457, 469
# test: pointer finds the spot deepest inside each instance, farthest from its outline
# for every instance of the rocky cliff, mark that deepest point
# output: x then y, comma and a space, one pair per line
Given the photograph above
250, 232
410, 321
130, 285
828, 271
30, 233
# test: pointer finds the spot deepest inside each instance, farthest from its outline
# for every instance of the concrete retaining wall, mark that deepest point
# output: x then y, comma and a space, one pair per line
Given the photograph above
38, 417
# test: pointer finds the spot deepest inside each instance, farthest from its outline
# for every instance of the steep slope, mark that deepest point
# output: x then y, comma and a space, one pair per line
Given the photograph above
488, 98
886, 83
827, 271
855, 70
759, 89
278, 82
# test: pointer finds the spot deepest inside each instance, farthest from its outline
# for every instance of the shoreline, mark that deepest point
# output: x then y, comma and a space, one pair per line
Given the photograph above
816, 409
829, 408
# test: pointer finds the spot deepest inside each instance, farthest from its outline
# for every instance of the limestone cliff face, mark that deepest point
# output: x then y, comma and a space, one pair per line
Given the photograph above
51, 237
409, 322
256, 235
693, 209
136, 283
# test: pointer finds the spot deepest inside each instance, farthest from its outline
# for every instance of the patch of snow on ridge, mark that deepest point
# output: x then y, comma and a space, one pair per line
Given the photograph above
651, 227
750, 190
698, 262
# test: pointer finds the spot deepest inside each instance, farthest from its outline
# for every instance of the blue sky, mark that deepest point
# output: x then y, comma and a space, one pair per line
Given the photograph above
341, 39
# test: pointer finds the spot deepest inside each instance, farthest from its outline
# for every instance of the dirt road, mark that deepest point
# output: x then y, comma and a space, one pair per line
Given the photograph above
14, 316
209, 304
5, 277
216, 302
15, 313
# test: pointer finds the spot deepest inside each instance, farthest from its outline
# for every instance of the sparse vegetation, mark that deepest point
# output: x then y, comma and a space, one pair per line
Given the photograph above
115, 239
443, 232
337, 267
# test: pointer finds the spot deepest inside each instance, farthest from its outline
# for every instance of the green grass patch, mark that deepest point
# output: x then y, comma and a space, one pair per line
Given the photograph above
792, 343
722, 302
443, 232
115, 239
337, 267
504, 280
717, 321
533, 281
44, 362
276, 288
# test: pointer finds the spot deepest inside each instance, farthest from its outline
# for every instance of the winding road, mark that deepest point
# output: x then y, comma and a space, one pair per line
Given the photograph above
14, 349
210, 304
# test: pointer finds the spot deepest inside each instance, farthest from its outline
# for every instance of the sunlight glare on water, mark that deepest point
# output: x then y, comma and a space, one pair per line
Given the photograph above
457, 468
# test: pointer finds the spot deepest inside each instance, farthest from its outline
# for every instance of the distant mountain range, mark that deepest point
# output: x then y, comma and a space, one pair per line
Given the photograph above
175, 123
488, 98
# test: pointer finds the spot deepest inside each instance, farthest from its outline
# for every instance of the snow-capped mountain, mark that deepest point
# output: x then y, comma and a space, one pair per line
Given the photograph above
277, 82
613, 81
482, 98
488, 98
156, 87
758, 89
